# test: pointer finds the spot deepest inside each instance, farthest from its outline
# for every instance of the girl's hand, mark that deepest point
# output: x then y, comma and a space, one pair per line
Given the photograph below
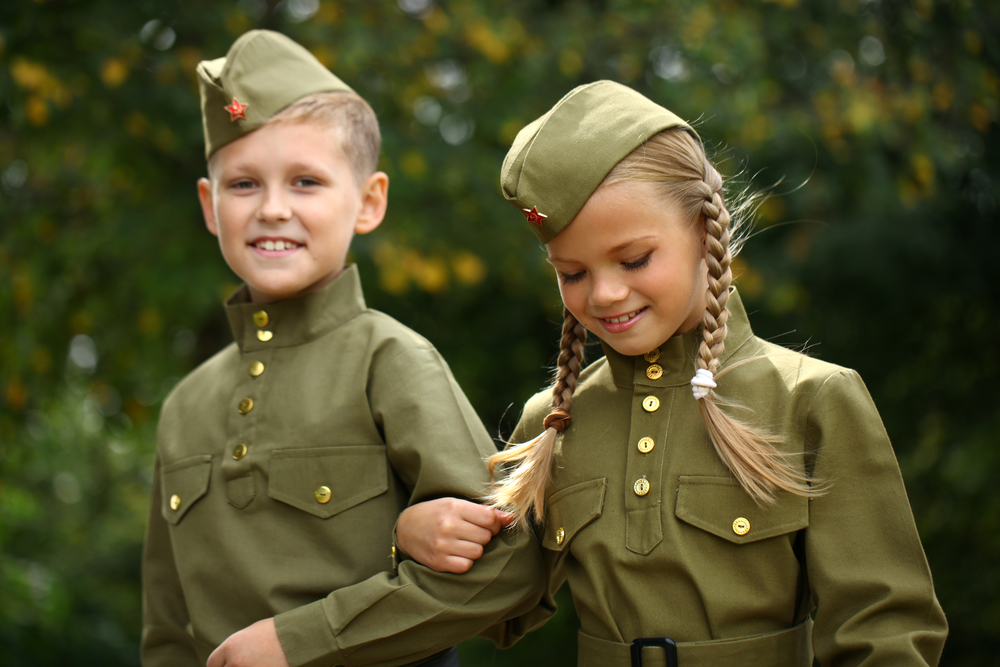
448, 534
253, 646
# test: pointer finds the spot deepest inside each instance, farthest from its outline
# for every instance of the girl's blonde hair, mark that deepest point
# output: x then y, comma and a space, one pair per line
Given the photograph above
675, 161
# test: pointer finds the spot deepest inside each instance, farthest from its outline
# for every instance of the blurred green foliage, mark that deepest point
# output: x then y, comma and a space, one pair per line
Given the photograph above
876, 251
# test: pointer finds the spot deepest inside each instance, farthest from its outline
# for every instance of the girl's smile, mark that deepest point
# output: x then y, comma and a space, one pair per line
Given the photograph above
622, 322
631, 269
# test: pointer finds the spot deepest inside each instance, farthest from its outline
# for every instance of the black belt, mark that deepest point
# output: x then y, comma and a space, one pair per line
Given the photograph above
447, 658
788, 648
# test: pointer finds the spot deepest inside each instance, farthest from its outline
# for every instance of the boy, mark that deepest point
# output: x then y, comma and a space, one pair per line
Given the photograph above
284, 460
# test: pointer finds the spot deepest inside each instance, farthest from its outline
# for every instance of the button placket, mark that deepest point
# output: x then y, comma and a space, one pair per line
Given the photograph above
241, 455
651, 408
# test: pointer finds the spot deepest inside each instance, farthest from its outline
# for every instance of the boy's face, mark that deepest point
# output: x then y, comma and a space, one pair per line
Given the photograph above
285, 204
631, 269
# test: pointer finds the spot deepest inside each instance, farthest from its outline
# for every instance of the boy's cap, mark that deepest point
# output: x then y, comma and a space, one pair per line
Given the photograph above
557, 161
262, 74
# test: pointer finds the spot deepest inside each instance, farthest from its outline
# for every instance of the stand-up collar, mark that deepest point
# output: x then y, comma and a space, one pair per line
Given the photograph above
260, 326
678, 355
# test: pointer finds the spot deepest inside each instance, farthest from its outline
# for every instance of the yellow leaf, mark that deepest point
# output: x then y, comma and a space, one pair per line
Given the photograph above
570, 63
469, 269
37, 111
113, 72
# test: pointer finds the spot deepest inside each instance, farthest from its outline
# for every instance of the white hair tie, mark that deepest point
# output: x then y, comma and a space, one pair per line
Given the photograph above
701, 383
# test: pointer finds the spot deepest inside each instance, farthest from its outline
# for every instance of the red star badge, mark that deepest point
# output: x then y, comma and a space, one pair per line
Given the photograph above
236, 110
533, 215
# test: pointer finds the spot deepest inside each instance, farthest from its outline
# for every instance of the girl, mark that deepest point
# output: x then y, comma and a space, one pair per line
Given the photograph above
705, 493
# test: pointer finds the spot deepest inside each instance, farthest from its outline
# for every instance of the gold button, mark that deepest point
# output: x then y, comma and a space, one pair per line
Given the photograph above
260, 318
239, 451
246, 405
256, 368
175, 502
651, 404
641, 486
741, 526
652, 355
264, 336
646, 445
654, 372
323, 494
560, 536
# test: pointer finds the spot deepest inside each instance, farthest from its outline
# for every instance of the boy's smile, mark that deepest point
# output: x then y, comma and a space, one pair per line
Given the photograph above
285, 203
631, 269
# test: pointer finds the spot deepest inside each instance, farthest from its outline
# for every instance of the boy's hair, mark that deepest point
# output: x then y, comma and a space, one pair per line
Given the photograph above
675, 161
349, 116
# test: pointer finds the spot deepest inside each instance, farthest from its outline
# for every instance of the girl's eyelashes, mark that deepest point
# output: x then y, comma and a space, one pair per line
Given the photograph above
638, 264
568, 278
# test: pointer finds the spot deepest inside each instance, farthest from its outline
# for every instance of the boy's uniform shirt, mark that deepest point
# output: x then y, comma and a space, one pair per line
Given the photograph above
283, 463
657, 538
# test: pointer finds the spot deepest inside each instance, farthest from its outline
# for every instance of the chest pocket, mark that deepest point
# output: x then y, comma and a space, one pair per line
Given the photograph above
184, 483
720, 506
327, 480
569, 511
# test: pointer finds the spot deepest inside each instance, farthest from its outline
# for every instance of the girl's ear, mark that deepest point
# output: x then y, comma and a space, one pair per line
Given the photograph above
208, 205
374, 200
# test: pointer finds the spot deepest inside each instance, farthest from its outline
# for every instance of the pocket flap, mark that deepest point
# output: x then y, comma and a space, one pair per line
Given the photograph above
326, 480
184, 482
720, 506
570, 509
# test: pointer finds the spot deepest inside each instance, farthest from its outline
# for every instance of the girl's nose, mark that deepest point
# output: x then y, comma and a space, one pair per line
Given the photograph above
605, 291
274, 208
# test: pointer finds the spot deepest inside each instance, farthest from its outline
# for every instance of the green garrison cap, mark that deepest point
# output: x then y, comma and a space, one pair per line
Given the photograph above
262, 74
557, 161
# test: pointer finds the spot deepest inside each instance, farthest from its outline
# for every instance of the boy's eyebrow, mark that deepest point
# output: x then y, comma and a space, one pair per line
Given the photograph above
612, 251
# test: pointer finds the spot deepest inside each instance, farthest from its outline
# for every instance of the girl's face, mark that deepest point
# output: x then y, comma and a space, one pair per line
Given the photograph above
631, 269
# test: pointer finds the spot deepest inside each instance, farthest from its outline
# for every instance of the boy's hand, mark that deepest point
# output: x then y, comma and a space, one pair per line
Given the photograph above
256, 646
448, 534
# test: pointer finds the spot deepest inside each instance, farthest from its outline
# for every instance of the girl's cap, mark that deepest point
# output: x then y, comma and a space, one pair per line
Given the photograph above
262, 74
557, 161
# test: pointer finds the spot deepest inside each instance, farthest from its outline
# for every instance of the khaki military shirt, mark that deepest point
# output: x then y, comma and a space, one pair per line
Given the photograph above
656, 537
283, 463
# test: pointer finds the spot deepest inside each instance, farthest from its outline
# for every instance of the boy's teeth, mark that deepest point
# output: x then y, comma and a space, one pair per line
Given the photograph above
277, 245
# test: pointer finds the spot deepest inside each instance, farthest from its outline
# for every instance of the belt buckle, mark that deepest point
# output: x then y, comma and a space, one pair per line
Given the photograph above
668, 646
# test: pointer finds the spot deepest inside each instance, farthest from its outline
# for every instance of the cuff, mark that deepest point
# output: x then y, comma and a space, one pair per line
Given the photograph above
307, 639
398, 555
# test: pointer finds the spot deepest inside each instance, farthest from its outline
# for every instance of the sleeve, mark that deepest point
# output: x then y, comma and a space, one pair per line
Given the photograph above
437, 445
870, 582
165, 640
507, 633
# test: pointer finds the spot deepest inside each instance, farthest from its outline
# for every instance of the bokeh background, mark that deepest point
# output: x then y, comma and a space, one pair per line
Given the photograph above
875, 121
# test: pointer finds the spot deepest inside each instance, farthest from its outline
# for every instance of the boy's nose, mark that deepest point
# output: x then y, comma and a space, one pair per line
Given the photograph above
274, 208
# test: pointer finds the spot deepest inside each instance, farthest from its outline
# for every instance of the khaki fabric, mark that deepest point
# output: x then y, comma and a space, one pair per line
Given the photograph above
265, 71
557, 161
672, 563
350, 400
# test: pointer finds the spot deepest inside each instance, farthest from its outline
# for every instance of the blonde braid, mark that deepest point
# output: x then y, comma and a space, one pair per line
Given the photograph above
522, 491
748, 452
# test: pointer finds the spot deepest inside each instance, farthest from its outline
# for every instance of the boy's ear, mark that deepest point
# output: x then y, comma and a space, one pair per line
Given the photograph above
207, 205
374, 200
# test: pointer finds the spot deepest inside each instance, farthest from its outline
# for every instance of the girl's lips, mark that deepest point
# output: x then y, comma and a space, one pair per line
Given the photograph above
618, 327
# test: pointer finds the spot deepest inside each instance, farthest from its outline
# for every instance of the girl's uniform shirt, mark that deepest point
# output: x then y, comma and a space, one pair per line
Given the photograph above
657, 538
